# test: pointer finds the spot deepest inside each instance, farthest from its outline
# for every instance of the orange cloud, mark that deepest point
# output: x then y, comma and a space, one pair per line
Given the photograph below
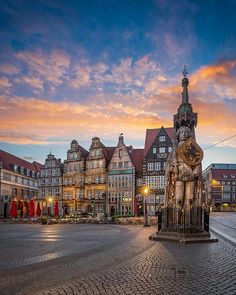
105, 114
8, 69
47, 67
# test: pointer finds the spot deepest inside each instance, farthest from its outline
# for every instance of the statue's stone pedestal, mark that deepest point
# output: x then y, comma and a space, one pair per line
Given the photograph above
183, 238
183, 225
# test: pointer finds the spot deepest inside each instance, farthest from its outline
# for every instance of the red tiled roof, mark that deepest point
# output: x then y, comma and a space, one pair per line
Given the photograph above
108, 152
8, 160
151, 134
37, 165
137, 157
221, 173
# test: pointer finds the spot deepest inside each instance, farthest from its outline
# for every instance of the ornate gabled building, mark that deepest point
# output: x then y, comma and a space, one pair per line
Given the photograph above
50, 184
73, 179
158, 145
121, 181
96, 176
18, 182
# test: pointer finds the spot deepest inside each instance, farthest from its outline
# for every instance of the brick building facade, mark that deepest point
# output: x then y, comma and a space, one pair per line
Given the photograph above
18, 182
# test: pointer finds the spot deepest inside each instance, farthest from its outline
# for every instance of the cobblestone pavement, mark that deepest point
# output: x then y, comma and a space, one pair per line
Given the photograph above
165, 268
127, 263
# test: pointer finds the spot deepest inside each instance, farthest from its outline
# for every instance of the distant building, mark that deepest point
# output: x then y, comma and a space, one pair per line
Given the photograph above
121, 180
18, 182
137, 156
50, 184
73, 179
219, 186
158, 145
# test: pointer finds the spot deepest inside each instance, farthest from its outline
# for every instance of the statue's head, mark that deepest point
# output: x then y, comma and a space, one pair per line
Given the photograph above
183, 133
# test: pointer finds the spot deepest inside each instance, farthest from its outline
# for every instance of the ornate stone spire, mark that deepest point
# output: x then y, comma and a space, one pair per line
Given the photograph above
185, 115
185, 83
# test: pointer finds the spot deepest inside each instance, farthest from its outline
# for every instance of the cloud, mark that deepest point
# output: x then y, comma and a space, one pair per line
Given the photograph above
218, 79
36, 83
131, 95
49, 67
4, 82
8, 68
82, 77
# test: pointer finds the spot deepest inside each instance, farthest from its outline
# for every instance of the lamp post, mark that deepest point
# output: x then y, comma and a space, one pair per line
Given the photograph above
145, 223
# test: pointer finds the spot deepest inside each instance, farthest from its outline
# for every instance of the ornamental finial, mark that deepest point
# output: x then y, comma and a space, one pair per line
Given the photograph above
185, 73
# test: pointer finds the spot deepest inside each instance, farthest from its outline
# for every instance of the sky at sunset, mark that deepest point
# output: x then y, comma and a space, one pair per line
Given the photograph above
79, 69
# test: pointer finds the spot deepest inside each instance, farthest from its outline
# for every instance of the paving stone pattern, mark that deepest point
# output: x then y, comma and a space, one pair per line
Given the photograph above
165, 268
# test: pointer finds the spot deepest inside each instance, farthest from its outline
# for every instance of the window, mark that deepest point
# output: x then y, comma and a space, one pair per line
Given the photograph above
154, 150
157, 166
120, 153
162, 138
126, 164
150, 166
139, 182
114, 166
151, 181
95, 164
97, 194
89, 194
97, 153
162, 150
161, 182
120, 165
169, 149
164, 166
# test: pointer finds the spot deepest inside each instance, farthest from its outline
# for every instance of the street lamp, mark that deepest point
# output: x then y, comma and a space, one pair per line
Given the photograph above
145, 223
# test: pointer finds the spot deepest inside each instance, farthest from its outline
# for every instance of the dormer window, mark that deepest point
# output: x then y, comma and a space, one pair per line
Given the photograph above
15, 168
22, 170
162, 138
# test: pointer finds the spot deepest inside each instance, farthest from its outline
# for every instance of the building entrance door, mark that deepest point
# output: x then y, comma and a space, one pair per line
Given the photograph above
5, 210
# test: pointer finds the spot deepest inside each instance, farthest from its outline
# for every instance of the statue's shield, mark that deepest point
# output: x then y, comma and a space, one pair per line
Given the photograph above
190, 152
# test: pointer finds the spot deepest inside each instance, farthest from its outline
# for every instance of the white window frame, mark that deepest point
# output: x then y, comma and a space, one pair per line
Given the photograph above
162, 150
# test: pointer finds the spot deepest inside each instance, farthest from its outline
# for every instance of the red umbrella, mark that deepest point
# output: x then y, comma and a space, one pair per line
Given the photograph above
56, 209
13, 209
38, 210
31, 211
